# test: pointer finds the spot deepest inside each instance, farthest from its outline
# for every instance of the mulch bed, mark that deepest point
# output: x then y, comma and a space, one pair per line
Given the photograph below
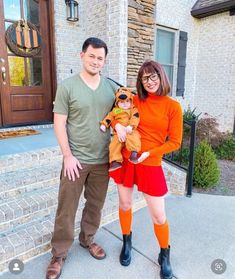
226, 185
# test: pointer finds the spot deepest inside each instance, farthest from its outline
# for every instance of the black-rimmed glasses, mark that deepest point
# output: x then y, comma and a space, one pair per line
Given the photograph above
153, 77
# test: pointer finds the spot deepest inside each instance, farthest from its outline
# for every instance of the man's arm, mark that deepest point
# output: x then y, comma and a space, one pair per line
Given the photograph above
71, 164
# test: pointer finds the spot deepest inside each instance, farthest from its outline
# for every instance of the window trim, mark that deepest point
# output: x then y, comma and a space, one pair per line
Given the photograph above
175, 58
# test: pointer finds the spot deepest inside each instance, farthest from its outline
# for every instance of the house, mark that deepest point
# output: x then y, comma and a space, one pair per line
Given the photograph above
39, 48
192, 39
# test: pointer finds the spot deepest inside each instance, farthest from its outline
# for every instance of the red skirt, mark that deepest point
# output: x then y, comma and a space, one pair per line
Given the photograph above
149, 179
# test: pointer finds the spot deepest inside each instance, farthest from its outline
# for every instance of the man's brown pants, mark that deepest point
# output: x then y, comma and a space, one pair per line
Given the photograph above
94, 178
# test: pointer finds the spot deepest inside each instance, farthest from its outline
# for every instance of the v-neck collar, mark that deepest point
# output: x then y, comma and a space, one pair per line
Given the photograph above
91, 89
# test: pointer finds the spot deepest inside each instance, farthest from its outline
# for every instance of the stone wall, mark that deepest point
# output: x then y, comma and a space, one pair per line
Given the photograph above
140, 36
175, 178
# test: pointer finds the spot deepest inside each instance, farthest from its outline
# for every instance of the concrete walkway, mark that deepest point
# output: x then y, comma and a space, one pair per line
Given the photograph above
202, 230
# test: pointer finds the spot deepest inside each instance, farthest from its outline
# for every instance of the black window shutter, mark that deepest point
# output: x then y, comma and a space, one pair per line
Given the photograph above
181, 63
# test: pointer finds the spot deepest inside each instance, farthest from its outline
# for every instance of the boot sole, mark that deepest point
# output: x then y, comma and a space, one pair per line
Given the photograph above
56, 276
162, 277
125, 263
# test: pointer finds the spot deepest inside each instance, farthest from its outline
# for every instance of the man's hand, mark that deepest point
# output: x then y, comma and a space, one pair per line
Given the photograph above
121, 132
142, 157
71, 167
129, 129
103, 128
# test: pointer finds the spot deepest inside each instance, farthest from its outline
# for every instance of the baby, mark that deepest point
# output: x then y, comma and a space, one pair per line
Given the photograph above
127, 115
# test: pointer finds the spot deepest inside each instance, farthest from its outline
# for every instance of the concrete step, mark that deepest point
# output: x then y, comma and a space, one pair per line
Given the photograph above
33, 238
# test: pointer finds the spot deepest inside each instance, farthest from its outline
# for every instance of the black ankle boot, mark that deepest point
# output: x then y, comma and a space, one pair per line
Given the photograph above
164, 261
125, 256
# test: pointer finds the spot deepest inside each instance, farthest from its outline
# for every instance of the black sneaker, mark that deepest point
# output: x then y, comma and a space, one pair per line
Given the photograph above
114, 166
134, 158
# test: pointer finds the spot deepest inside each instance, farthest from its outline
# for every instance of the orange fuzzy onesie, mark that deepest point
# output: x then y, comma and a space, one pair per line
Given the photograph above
126, 117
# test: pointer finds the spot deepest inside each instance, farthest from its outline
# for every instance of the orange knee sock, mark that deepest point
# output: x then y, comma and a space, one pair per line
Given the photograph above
125, 218
162, 234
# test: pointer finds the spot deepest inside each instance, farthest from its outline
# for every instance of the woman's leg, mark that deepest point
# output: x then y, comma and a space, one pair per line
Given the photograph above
156, 206
125, 208
125, 218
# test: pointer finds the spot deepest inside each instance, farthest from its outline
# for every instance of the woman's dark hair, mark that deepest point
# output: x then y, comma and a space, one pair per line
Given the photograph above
95, 43
149, 67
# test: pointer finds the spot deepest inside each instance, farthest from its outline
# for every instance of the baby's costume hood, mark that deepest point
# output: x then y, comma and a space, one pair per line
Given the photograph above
122, 94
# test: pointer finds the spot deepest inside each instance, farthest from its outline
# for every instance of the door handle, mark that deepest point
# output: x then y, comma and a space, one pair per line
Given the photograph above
3, 70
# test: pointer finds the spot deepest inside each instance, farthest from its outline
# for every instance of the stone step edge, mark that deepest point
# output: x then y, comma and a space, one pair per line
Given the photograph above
45, 247
27, 188
28, 158
51, 203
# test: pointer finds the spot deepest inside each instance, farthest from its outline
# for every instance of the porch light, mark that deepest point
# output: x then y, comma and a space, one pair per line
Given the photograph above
71, 10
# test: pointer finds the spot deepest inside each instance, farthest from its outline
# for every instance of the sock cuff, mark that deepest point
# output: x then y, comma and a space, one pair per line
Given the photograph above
161, 225
125, 211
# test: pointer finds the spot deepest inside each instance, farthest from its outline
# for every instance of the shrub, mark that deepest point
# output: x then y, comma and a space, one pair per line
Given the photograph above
206, 170
207, 129
226, 150
182, 156
189, 114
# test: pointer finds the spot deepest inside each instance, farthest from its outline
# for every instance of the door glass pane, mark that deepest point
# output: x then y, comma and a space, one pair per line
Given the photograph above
165, 47
12, 9
31, 11
7, 24
34, 67
17, 71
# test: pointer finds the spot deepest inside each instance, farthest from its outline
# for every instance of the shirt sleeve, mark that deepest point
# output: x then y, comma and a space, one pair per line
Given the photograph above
61, 104
174, 133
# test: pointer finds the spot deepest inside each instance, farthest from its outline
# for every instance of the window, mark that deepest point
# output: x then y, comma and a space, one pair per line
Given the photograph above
165, 51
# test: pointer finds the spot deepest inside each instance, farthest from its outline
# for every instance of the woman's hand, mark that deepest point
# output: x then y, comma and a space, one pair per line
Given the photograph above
121, 132
142, 157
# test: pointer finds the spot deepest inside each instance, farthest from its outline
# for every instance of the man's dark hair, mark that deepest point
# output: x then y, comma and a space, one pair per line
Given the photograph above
95, 43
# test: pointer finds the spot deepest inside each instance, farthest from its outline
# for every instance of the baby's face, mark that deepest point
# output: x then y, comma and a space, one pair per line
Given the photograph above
125, 104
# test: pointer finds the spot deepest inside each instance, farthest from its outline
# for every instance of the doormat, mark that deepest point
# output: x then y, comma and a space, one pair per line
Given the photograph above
18, 133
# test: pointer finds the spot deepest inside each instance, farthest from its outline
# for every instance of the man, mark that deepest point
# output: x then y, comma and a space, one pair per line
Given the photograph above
81, 102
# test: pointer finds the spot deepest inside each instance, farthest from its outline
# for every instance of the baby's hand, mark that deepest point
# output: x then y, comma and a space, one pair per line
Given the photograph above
129, 129
103, 128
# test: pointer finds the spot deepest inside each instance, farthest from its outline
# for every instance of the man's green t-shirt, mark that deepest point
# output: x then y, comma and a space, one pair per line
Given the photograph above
85, 108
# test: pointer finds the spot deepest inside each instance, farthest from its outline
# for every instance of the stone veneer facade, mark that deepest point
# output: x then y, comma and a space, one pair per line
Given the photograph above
141, 28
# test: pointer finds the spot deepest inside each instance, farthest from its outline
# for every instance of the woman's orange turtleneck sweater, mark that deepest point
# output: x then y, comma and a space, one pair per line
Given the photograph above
160, 127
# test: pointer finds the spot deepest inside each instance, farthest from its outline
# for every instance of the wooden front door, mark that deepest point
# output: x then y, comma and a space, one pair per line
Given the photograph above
26, 89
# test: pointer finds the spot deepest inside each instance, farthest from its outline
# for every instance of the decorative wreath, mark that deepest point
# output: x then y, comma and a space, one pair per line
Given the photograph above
23, 39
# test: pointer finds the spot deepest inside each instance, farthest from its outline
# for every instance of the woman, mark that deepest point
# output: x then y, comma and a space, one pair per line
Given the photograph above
160, 128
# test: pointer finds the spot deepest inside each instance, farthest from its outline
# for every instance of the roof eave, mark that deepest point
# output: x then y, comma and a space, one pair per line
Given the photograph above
212, 10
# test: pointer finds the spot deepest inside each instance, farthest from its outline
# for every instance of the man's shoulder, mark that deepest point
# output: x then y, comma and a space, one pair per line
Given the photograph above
110, 82
70, 80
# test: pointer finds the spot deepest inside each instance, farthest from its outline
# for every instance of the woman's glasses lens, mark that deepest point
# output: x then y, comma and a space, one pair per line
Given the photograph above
153, 77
